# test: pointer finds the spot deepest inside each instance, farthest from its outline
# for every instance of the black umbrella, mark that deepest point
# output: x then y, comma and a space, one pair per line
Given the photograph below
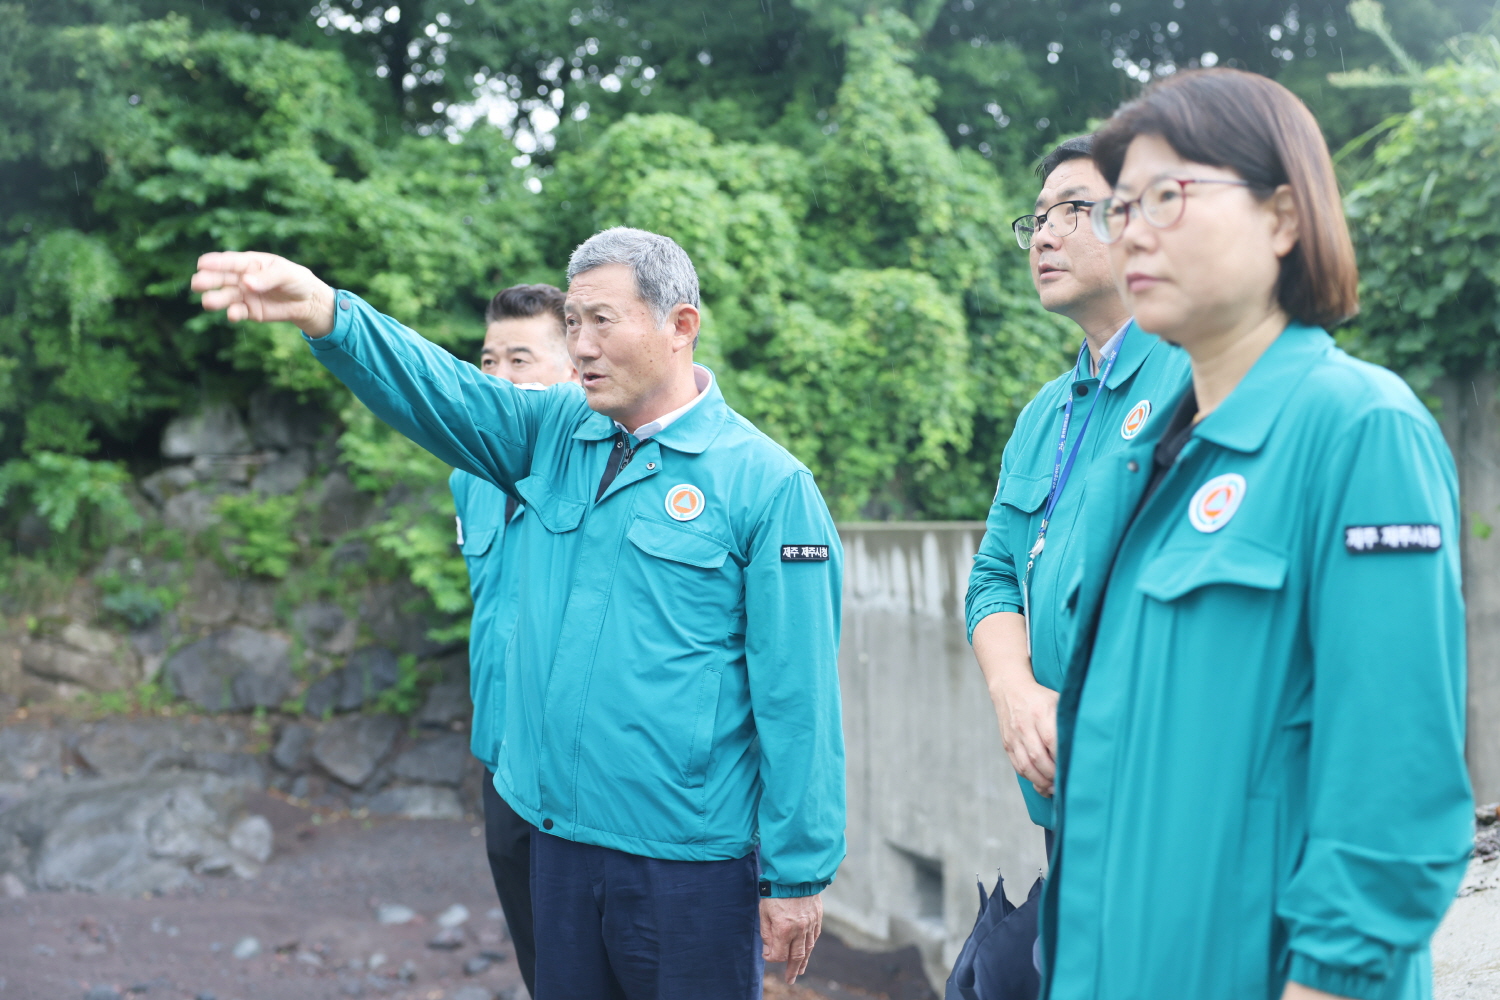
997, 961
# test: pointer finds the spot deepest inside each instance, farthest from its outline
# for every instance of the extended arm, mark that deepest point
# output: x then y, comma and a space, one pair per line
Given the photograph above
480, 424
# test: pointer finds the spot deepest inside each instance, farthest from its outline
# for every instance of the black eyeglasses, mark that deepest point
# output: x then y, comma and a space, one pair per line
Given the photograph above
1161, 205
1061, 223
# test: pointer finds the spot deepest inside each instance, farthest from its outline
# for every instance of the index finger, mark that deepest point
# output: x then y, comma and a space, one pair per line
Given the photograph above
232, 261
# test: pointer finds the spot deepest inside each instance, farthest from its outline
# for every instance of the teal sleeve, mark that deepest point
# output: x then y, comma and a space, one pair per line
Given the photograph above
993, 584
1389, 806
791, 652
472, 421
458, 488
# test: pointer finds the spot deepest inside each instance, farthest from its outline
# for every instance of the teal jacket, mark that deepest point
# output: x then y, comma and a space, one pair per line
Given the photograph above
495, 587
1148, 374
671, 685
1261, 770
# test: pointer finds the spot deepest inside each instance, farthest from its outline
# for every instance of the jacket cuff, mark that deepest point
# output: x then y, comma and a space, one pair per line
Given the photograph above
983, 611
1334, 979
344, 304
777, 890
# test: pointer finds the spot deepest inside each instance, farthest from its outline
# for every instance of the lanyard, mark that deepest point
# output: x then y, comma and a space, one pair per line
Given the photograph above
1062, 469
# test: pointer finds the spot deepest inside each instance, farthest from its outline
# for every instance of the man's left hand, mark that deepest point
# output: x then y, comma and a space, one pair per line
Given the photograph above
788, 929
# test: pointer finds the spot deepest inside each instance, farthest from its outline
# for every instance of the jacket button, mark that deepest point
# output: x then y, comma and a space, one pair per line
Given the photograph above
1080, 390
1133, 466
546, 824
650, 465
343, 303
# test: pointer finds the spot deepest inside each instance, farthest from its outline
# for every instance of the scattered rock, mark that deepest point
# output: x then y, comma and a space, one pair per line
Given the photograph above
446, 703
351, 747
29, 754
191, 512
441, 760
368, 672
216, 429
395, 913
89, 657
284, 473
323, 625
454, 916
280, 420
447, 939
253, 837
408, 971
235, 670
417, 802
472, 992
101, 993
12, 887
246, 948
293, 747
477, 965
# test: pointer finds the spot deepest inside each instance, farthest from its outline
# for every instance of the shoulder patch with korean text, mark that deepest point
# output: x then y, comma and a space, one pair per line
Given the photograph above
804, 553
1368, 539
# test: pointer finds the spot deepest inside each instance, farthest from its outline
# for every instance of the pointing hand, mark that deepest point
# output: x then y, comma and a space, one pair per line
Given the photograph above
265, 288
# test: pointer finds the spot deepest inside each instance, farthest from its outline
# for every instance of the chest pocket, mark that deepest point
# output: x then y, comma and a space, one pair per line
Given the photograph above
1179, 570
556, 513
477, 541
677, 544
1025, 493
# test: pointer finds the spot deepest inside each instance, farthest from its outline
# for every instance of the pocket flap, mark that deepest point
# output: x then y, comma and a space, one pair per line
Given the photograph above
557, 514
1177, 571
1025, 493
477, 541
679, 544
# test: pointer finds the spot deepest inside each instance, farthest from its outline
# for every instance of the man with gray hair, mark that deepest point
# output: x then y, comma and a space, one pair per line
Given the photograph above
672, 725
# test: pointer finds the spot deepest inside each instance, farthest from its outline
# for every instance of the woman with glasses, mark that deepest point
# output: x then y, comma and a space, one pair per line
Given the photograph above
1261, 789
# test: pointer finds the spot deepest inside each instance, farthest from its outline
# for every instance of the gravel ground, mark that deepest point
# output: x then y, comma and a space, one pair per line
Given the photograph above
1466, 948
312, 913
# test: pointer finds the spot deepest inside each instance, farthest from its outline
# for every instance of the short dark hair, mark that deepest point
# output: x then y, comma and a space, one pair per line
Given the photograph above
524, 302
1256, 127
1080, 147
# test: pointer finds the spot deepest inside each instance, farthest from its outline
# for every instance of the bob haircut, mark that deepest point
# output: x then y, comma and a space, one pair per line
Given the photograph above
1260, 130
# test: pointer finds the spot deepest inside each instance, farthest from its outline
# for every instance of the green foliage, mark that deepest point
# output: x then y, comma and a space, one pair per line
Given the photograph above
410, 690
134, 603
1426, 216
83, 502
258, 532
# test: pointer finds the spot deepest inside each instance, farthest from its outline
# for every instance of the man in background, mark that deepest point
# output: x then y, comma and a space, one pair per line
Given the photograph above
1016, 606
525, 342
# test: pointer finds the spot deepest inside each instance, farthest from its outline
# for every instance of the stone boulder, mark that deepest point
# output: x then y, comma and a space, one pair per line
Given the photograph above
281, 421
368, 672
216, 429
441, 760
120, 748
446, 704
236, 669
293, 748
283, 473
30, 753
131, 836
85, 656
322, 625
351, 748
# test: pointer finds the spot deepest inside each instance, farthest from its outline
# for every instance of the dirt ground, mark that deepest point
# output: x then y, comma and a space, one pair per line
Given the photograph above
312, 912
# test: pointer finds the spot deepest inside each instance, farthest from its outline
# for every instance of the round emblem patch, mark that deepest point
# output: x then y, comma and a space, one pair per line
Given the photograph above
1136, 419
1216, 501
684, 502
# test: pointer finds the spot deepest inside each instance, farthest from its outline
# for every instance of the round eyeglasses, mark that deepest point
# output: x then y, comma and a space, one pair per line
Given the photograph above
1061, 220
1161, 205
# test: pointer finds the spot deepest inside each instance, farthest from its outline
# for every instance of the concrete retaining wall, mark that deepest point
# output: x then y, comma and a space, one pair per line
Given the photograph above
932, 798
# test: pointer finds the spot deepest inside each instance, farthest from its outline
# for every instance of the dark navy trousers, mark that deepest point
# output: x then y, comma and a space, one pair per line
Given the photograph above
617, 926
507, 841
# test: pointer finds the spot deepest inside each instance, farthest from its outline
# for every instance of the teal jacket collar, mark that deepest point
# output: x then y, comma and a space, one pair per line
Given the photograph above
1135, 346
1244, 420
690, 434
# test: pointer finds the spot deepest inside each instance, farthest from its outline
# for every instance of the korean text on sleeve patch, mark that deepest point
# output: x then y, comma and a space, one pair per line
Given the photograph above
1369, 539
804, 553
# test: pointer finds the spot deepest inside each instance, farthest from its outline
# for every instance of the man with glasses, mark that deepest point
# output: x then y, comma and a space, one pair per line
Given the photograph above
1016, 608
